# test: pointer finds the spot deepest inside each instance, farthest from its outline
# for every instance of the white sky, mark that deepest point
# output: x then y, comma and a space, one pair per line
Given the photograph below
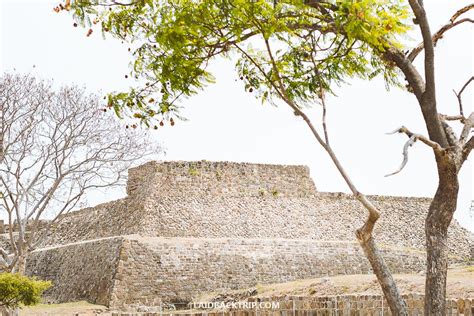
226, 123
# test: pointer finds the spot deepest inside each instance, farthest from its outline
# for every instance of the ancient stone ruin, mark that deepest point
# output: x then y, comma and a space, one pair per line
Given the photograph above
192, 227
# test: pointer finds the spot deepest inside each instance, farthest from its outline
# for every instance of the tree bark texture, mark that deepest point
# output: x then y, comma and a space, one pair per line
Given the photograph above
437, 223
389, 287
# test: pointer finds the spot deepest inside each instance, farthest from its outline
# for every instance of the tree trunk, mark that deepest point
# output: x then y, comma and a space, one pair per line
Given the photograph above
364, 234
21, 265
437, 223
389, 287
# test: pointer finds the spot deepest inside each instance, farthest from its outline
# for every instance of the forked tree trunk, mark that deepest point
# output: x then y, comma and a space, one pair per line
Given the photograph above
437, 223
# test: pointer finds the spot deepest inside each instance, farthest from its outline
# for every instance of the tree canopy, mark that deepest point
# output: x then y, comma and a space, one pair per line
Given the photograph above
284, 50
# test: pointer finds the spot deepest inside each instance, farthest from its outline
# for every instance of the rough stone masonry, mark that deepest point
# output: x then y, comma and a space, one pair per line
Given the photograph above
192, 227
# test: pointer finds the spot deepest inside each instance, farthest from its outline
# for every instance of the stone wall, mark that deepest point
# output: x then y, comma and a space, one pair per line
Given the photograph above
177, 269
324, 216
198, 178
166, 200
116, 218
348, 305
343, 305
81, 271
198, 228
130, 271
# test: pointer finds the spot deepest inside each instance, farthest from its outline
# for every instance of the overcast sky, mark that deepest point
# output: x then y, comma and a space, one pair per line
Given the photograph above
226, 123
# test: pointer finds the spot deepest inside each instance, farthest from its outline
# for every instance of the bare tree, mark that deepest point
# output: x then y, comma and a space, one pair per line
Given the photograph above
56, 145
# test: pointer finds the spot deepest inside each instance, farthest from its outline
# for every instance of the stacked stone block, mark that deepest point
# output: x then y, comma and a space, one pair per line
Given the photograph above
188, 227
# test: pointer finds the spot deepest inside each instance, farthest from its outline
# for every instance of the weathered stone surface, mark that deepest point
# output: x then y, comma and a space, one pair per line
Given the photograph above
343, 305
80, 271
178, 269
198, 178
128, 271
166, 199
204, 226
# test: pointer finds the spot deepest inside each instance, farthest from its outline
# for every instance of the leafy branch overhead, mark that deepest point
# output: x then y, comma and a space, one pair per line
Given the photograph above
303, 45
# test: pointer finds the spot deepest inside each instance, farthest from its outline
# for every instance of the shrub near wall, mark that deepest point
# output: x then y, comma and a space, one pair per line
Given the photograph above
18, 290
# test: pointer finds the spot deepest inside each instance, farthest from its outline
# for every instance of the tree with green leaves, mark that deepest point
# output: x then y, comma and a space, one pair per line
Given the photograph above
18, 290
294, 52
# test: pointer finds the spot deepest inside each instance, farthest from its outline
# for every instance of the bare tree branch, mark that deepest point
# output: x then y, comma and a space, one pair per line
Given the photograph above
453, 118
459, 95
408, 144
422, 20
440, 33
468, 148
436, 147
468, 125
412, 75
57, 145
427, 99
412, 138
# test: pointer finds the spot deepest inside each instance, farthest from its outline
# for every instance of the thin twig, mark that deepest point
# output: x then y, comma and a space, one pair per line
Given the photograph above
439, 34
459, 95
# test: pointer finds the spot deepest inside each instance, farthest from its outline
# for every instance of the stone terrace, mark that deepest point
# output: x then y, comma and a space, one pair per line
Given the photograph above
187, 227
